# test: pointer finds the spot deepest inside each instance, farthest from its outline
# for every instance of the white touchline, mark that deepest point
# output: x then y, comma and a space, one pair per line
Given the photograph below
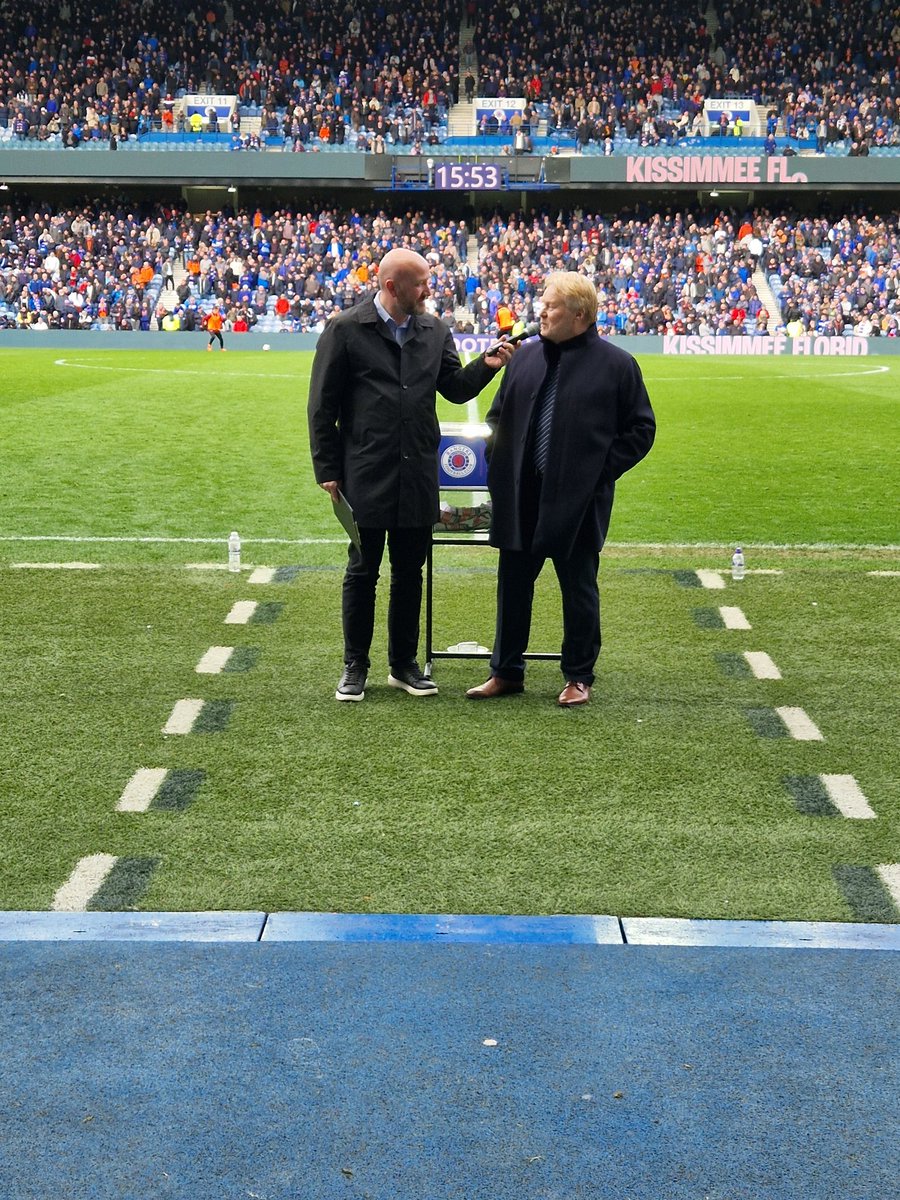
68, 566
336, 541
219, 566
214, 660
241, 612
846, 796
890, 874
799, 725
84, 883
141, 789
262, 575
761, 665
884, 574
183, 716
733, 618
710, 579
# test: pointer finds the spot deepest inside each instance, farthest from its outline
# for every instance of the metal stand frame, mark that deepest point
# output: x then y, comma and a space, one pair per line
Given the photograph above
430, 653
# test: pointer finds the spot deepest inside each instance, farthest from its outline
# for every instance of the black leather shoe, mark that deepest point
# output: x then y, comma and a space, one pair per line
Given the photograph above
352, 685
495, 687
411, 679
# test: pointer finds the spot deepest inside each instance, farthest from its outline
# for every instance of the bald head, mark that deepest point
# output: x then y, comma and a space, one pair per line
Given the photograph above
403, 283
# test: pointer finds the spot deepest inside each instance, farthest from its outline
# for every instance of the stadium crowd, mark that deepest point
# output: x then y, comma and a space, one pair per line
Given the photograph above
385, 71
830, 71
93, 69
671, 271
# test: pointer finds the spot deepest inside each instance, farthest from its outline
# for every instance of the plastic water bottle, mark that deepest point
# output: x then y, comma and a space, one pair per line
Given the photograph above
737, 565
234, 552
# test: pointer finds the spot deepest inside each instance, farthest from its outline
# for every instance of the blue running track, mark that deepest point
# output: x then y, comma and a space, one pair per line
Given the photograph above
406, 1069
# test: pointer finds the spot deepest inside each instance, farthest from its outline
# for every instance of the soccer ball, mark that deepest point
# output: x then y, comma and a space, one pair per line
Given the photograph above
267, 346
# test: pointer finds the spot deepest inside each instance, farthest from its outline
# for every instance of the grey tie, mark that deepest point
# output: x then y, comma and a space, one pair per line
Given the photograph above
544, 423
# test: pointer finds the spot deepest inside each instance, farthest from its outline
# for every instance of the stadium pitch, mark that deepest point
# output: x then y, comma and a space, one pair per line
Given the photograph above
730, 766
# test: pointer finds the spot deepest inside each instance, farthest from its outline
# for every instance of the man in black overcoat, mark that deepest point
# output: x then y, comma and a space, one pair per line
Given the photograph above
571, 416
374, 436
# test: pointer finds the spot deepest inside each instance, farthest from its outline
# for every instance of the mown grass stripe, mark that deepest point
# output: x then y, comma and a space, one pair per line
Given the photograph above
244, 658
761, 665
183, 716
846, 795
799, 725
686, 579
262, 575
765, 723
86, 879
710, 579
215, 660
866, 892
265, 614
733, 618
241, 612
215, 716
733, 666
707, 618
810, 795
287, 574
141, 789
178, 791
124, 885
890, 877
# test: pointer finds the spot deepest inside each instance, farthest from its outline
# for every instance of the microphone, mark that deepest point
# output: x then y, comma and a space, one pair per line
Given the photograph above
527, 332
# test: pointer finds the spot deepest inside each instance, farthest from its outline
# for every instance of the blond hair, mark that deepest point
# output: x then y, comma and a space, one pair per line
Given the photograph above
578, 293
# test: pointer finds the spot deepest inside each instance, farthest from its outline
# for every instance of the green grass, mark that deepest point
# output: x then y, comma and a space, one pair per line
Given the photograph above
659, 798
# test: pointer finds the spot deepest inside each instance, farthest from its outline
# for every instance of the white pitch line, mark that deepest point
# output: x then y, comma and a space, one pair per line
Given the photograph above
84, 882
884, 574
733, 617
141, 789
333, 541
241, 612
214, 660
890, 874
799, 726
60, 566
183, 716
64, 362
846, 795
263, 575
761, 665
813, 375
710, 579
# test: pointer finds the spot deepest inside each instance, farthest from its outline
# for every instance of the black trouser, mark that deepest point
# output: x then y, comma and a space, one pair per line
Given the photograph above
213, 334
577, 577
516, 576
407, 550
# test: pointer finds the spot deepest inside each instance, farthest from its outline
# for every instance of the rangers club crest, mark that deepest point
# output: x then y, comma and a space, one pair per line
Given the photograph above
459, 460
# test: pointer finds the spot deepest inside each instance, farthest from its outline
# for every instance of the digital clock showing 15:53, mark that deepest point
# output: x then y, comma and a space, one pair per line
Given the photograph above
469, 177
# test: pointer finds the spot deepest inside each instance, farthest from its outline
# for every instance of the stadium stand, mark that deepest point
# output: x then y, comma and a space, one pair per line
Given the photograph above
669, 271
384, 76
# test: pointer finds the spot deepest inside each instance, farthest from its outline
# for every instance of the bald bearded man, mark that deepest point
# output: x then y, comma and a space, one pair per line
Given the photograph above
374, 436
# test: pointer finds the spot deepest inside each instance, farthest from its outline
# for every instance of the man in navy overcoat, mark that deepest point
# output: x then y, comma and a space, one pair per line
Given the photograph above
571, 416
